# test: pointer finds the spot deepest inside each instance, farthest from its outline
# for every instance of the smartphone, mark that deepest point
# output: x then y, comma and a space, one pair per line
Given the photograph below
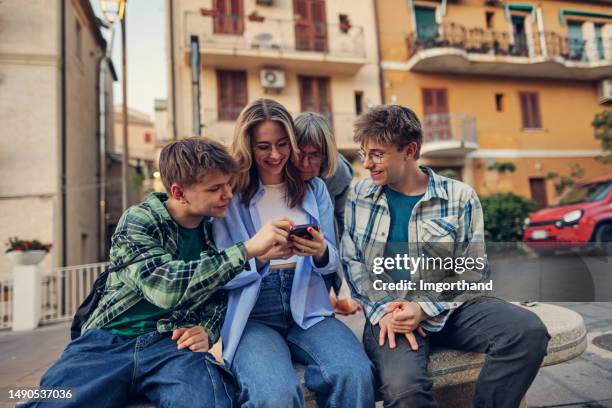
302, 230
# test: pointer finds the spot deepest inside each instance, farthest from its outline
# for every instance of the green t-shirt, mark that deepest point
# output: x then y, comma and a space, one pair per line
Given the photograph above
400, 207
143, 316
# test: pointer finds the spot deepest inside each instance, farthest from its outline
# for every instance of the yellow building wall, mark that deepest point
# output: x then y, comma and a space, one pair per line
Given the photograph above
567, 107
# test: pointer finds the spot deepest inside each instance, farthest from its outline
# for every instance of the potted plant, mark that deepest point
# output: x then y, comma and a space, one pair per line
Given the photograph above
26, 252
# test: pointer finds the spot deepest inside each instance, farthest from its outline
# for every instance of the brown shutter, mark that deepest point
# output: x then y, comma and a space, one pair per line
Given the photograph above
232, 94
229, 17
429, 106
530, 110
535, 105
319, 25
525, 114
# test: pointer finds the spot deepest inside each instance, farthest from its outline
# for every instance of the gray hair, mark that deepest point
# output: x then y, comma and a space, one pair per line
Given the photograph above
313, 129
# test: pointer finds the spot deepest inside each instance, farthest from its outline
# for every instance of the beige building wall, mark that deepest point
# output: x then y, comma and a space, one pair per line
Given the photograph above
139, 126
30, 135
363, 77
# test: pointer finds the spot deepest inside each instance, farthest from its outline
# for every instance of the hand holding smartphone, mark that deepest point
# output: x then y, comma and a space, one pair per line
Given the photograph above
302, 230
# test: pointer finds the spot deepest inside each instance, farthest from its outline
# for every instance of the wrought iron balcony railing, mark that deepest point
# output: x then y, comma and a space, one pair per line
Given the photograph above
482, 41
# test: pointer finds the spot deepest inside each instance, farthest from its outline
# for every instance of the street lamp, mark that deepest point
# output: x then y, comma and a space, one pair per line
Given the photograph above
115, 10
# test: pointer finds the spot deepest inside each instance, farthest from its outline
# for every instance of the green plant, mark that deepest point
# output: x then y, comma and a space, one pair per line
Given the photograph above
449, 173
561, 183
603, 131
500, 168
17, 244
504, 215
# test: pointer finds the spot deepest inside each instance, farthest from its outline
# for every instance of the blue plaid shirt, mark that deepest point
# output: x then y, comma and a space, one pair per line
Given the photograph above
449, 214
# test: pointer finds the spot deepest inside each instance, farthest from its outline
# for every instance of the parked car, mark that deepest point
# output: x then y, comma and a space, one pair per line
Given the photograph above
582, 215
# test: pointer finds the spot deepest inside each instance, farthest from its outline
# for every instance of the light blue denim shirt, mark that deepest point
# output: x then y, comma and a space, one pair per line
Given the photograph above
309, 297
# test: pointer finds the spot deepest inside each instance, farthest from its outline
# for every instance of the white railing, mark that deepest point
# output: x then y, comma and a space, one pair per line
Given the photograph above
242, 33
443, 127
64, 289
6, 304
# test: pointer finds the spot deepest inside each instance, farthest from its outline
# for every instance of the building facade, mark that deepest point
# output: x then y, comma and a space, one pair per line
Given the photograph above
318, 55
498, 82
51, 87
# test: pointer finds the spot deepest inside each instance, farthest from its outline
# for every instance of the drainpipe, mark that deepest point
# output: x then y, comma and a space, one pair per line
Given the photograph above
381, 76
195, 85
172, 73
63, 135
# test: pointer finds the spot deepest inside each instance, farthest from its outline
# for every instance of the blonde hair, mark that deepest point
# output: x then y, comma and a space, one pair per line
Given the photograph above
313, 129
247, 179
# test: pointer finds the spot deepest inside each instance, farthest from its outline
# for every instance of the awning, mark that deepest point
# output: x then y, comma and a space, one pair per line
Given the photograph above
581, 13
517, 7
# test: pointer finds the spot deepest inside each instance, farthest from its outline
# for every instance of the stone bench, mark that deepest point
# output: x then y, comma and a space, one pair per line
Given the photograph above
454, 373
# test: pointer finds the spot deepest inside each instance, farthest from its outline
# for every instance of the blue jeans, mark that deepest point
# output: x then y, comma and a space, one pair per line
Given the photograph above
337, 368
105, 370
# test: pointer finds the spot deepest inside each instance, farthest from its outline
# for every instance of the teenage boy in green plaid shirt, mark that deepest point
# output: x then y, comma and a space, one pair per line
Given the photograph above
404, 209
158, 317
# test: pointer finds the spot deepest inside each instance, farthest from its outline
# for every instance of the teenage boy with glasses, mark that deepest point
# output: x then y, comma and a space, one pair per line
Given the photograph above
403, 207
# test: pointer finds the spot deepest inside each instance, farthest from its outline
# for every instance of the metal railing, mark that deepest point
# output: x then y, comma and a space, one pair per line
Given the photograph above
443, 127
64, 289
482, 41
259, 33
6, 304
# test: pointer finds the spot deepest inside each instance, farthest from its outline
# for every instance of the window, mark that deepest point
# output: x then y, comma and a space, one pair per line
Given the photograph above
599, 41
530, 110
79, 40
310, 25
436, 120
147, 138
427, 28
489, 18
344, 22
229, 17
358, 102
315, 95
519, 47
499, 102
576, 42
231, 94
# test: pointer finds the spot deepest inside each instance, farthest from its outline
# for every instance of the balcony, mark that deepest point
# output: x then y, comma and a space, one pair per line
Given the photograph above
452, 48
262, 41
448, 135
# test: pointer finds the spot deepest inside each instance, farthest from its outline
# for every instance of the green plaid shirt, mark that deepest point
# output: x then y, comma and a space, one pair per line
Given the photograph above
189, 289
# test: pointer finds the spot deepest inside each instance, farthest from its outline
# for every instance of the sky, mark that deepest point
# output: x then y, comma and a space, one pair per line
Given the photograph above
146, 53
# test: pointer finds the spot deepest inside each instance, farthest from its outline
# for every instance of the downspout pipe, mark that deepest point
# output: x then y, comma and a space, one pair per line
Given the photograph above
195, 84
381, 76
172, 73
63, 136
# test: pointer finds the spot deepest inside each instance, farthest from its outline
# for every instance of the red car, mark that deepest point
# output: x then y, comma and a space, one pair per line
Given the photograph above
582, 215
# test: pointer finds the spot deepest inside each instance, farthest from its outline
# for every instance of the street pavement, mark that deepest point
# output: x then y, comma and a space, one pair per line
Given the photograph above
583, 382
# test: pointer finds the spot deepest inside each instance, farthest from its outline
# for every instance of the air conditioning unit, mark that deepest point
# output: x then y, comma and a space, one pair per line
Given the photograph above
264, 2
604, 90
272, 79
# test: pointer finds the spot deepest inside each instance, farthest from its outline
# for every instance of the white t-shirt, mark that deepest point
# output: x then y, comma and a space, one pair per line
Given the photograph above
274, 205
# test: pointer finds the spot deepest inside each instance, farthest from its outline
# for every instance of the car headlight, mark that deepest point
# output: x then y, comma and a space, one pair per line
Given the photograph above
526, 222
572, 217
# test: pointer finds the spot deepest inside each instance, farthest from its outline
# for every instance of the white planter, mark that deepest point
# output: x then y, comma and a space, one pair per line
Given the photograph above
26, 257
26, 297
